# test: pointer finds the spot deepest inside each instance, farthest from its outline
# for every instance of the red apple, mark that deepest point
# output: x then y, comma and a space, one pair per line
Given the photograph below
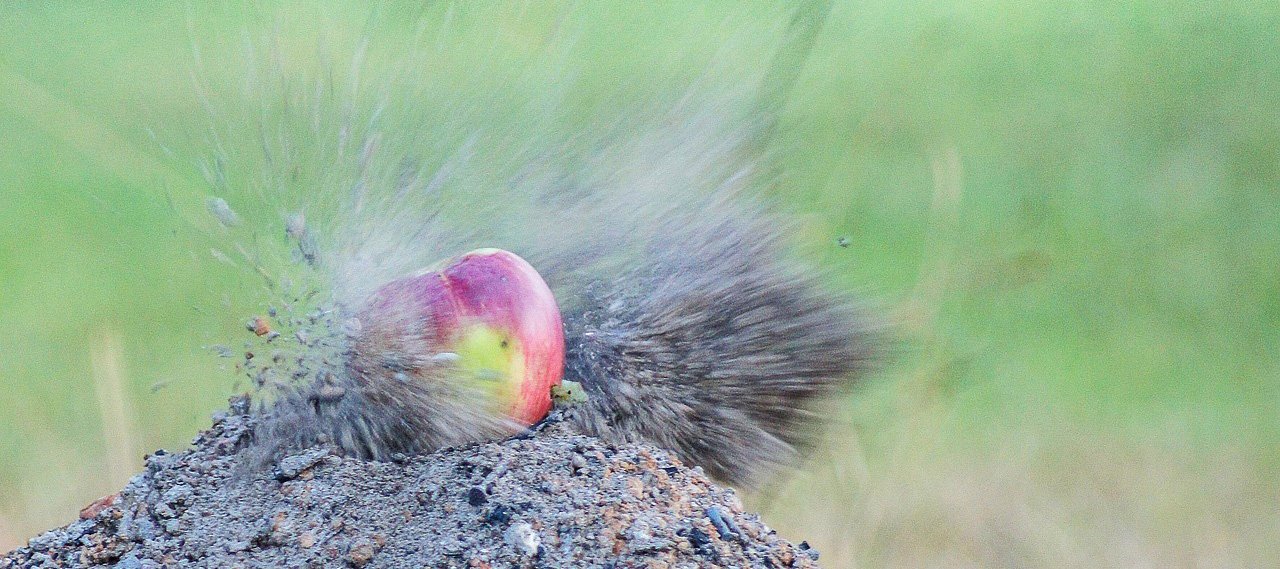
485, 321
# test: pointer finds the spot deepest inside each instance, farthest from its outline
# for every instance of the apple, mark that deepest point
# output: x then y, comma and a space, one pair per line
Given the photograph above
482, 328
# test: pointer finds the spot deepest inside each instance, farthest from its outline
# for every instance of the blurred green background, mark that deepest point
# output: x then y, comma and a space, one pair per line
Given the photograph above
1069, 212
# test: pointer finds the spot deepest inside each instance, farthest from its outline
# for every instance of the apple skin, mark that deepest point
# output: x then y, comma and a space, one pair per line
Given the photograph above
488, 317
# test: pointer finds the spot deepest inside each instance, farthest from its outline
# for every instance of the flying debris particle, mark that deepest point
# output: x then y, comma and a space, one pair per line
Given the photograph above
352, 326
307, 248
219, 208
445, 358
328, 393
259, 326
219, 255
843, 242
295, 227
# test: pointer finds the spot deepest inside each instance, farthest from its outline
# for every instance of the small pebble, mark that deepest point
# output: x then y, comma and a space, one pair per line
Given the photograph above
500, 514
173, 527
723, 522
290, 467
524, 538
809, 550
476, 497
361, 552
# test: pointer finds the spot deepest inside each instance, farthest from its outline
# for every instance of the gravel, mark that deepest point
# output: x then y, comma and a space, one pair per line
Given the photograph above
551, 498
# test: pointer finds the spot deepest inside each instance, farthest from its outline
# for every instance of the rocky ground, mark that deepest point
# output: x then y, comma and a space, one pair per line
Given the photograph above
553, 498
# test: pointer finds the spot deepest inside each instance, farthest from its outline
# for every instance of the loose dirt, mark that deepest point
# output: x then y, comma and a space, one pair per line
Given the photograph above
550, 498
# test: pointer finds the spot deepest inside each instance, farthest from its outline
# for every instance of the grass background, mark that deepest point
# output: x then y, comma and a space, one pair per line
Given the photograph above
1070, 211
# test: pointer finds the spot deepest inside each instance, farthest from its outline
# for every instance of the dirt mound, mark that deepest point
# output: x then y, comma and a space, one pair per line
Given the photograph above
553, 498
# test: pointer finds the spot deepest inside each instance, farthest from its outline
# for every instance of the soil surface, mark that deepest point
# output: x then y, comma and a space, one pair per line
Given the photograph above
551, 498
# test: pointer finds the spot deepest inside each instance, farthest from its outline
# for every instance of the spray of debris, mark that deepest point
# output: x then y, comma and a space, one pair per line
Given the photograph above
689, 323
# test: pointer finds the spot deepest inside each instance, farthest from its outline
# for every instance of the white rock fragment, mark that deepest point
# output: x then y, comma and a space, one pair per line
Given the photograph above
524, 538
